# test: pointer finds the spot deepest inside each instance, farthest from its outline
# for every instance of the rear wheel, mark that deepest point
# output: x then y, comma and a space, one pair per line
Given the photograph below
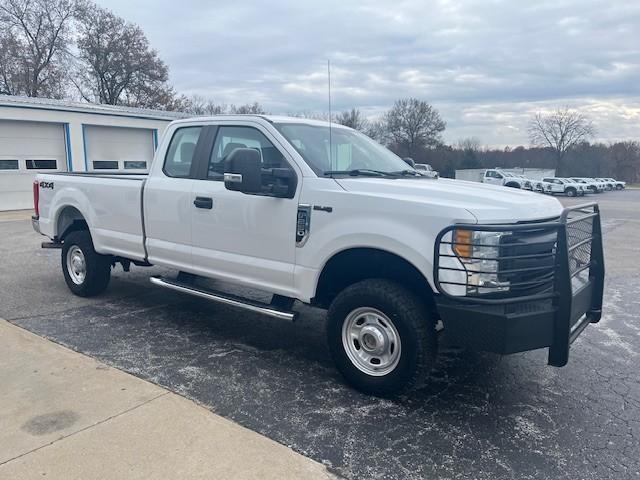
86, 272
571, 192
381, 337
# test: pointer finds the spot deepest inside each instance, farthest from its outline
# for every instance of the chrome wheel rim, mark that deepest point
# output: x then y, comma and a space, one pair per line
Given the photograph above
371, 341
76, 265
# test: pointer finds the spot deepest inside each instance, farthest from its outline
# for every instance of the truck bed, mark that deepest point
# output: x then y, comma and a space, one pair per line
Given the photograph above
110, 202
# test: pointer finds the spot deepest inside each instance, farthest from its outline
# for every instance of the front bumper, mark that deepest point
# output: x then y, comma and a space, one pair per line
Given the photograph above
553, 312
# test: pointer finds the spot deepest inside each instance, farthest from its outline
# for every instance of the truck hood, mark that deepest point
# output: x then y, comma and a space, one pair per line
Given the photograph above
487, 203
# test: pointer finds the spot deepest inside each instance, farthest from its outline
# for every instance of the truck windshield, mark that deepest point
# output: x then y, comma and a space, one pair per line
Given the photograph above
350, 151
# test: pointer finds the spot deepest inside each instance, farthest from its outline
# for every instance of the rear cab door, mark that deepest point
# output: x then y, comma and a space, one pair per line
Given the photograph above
168, 199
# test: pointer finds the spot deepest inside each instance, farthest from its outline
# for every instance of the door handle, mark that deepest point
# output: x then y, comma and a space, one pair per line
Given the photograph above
203, 202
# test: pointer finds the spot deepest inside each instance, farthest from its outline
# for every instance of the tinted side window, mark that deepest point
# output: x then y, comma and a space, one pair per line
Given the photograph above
230, 138
179, 158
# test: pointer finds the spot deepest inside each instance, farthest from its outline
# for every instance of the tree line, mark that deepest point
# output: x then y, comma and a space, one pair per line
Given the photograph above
76, 49
559, 140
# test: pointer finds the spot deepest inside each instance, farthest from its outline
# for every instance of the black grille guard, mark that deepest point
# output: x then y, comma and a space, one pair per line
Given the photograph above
571, 281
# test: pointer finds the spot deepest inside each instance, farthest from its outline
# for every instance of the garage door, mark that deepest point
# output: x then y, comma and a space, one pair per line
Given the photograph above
27, 148
118, 148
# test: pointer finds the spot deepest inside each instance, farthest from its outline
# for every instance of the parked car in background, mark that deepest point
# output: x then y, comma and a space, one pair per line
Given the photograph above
612, 184
590, 184
563, 186
498, 177
531, 184
617, 184
426, 170
608, 185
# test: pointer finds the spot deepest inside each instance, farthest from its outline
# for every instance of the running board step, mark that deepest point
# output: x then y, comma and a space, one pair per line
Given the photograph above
226, 298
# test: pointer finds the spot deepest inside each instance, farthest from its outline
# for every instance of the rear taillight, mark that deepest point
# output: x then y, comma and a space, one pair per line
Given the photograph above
36, 197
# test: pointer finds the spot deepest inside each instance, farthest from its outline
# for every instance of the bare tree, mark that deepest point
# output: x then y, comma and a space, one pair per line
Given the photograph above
412, 125
471, 148
251, 108
469, 144
376, 129
11, 76
560, 130
118, 66
199, 105
34, 46
353, 118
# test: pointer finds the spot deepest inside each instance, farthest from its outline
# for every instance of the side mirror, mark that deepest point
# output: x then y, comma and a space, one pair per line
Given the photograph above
243, 171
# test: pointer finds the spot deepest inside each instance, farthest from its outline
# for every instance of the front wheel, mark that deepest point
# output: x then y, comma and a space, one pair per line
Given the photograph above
381, 337
571, 192
86, 272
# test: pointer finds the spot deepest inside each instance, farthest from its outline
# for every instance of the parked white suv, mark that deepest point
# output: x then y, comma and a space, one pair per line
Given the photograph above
323, 215
617, 184
590, 184
563, 185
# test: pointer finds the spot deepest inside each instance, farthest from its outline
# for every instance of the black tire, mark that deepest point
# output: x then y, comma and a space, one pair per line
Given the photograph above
571, 192
410, 318
97, 267
618, 187
513, 185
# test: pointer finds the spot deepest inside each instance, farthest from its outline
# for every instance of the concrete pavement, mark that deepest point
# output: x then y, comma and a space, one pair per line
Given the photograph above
64, 415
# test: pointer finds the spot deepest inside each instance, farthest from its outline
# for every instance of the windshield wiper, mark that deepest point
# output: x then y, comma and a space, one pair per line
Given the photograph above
358, 172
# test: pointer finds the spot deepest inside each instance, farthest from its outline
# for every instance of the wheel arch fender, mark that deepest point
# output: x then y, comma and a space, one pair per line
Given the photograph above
69, 219
72, 209
353, 264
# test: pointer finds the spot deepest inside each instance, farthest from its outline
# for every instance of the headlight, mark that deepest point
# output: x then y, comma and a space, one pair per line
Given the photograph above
479, 251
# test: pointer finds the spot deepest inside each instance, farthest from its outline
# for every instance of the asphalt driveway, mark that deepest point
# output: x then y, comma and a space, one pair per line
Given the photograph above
480, 416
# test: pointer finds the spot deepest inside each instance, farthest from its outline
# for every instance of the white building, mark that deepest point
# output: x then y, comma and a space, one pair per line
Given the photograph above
44, 135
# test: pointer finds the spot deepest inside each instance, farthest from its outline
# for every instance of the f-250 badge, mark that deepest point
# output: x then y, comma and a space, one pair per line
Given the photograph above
46, 185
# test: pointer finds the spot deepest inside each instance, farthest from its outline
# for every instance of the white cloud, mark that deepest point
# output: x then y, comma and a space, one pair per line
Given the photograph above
485, 64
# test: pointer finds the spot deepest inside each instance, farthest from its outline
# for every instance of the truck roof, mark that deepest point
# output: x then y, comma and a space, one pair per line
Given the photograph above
268, 118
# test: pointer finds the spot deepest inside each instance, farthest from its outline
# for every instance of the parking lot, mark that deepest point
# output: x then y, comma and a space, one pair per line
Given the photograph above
479, 416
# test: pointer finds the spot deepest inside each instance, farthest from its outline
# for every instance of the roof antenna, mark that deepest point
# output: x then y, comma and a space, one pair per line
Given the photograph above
330, 115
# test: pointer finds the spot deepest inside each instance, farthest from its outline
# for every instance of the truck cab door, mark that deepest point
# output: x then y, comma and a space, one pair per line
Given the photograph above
168, 201
493, 178
244, 238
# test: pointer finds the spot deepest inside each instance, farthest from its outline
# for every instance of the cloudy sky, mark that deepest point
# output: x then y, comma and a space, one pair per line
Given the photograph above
486, 65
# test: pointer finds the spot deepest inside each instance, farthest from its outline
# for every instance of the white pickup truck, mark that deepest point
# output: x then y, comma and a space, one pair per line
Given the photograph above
324, 215
500, 177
